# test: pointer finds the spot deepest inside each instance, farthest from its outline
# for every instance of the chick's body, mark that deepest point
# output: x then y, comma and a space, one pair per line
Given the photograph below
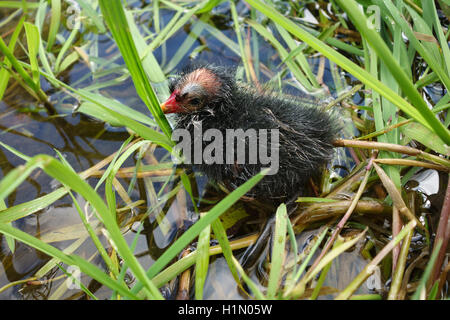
305, 133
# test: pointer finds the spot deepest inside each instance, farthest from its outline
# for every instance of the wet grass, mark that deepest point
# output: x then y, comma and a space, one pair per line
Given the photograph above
402, 128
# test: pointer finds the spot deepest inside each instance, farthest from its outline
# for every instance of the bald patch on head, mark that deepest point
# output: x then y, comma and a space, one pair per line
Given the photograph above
204, 78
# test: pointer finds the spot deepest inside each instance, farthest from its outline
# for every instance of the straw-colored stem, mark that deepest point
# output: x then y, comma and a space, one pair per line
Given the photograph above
321, 211
412, 163
400, 269
391, 147
370, 268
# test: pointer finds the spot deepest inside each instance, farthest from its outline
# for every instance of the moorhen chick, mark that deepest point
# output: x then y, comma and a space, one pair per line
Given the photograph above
210, 97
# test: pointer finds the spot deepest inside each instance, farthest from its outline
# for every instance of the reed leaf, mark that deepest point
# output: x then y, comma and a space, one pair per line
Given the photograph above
421, 115
115, 18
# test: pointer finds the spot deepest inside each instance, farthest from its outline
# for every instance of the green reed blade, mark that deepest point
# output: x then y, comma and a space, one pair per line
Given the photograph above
202, 261
278, 251
114, 15
352, 68
86, 267
54, 23
408, 89
195, 229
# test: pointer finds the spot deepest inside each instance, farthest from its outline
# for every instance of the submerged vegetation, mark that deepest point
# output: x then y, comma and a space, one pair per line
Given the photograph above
382, 65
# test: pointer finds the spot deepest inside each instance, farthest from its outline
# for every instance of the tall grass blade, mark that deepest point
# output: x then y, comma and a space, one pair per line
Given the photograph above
54, 23
278, 251
374, 39
114, 15
202, 263
194, 230
346, 64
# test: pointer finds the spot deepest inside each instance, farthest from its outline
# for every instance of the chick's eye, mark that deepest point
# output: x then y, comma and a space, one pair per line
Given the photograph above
194, 101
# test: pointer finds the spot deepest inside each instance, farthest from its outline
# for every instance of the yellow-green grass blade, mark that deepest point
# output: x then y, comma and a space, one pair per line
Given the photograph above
4, 73
430, 12
290, 285
86, 267
54, 23
298, 74
299, 56
420, 133
9, 240
187, 261
90, 12
25, 209
66, 46
421, 288
408, 89
202, 261
221, 235
58, 171
335, 42
278, 251
116, 106
115, 18
69, 60
209, 6
113, 162
99, 109
19, 4
172, 27
33, 37
149, 62
369, 268
17, 66
252, 285
115, 118
16, 176
66, 176
94, 237
349, 66
330, 256
196, 31
237, 30
220, 36
429, 51
39, 22
195, 229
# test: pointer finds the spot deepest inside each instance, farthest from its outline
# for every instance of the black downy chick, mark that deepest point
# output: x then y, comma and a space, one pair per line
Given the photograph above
211, 97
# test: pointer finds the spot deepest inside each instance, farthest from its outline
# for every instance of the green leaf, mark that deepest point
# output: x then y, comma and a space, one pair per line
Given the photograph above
4, 73
418, 132
209, 6
405, 83
66, 176
201, 266
54, 23
421, 288
278, 251
33, 37
86, 267
100, 112
221, 235
19, 4
195, 229
421, 114
114, 15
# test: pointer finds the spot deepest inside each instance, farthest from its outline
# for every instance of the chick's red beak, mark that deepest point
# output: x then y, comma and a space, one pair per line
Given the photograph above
171, 105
